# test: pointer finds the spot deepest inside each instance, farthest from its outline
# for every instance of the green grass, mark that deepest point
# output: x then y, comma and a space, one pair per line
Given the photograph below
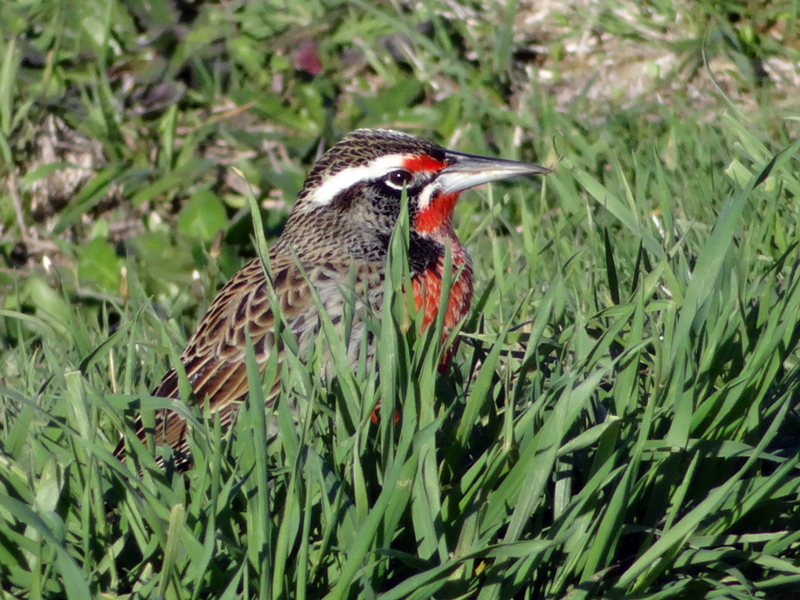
621, 418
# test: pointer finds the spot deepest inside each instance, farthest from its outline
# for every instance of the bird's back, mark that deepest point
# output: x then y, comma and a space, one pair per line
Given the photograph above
214, 357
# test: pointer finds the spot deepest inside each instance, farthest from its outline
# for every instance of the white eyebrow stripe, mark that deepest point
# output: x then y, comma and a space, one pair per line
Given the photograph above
379, 167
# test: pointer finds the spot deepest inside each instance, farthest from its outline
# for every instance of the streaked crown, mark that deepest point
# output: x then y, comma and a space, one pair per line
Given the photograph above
363, 147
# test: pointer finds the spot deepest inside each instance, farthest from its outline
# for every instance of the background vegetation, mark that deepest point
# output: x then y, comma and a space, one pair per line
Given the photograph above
620, 420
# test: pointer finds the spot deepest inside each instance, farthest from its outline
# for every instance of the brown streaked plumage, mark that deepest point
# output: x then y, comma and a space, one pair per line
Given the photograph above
342, 222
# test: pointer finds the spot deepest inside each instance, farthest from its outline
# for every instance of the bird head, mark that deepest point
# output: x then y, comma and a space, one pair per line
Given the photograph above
352, 196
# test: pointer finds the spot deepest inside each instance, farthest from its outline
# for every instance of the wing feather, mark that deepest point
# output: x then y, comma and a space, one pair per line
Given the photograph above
214, 357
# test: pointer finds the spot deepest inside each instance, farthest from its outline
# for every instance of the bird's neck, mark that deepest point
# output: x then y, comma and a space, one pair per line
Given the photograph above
437, 216
427, 285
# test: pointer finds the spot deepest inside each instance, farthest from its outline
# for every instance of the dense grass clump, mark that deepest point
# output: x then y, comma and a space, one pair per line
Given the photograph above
620, 420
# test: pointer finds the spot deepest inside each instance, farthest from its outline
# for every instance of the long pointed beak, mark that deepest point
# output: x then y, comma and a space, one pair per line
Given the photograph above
466, 171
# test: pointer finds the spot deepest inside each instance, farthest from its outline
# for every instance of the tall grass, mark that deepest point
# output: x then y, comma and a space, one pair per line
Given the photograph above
620, 419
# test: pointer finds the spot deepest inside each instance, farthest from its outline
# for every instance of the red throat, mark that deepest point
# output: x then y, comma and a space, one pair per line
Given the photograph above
439, 210
438, 213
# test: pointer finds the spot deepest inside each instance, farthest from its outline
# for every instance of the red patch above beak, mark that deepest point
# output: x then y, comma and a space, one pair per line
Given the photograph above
423, 162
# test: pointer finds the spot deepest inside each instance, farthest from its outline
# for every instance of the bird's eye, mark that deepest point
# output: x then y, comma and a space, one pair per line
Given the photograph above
399, 178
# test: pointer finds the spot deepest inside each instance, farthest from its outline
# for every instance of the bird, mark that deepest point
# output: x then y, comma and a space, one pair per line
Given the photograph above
337, 234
